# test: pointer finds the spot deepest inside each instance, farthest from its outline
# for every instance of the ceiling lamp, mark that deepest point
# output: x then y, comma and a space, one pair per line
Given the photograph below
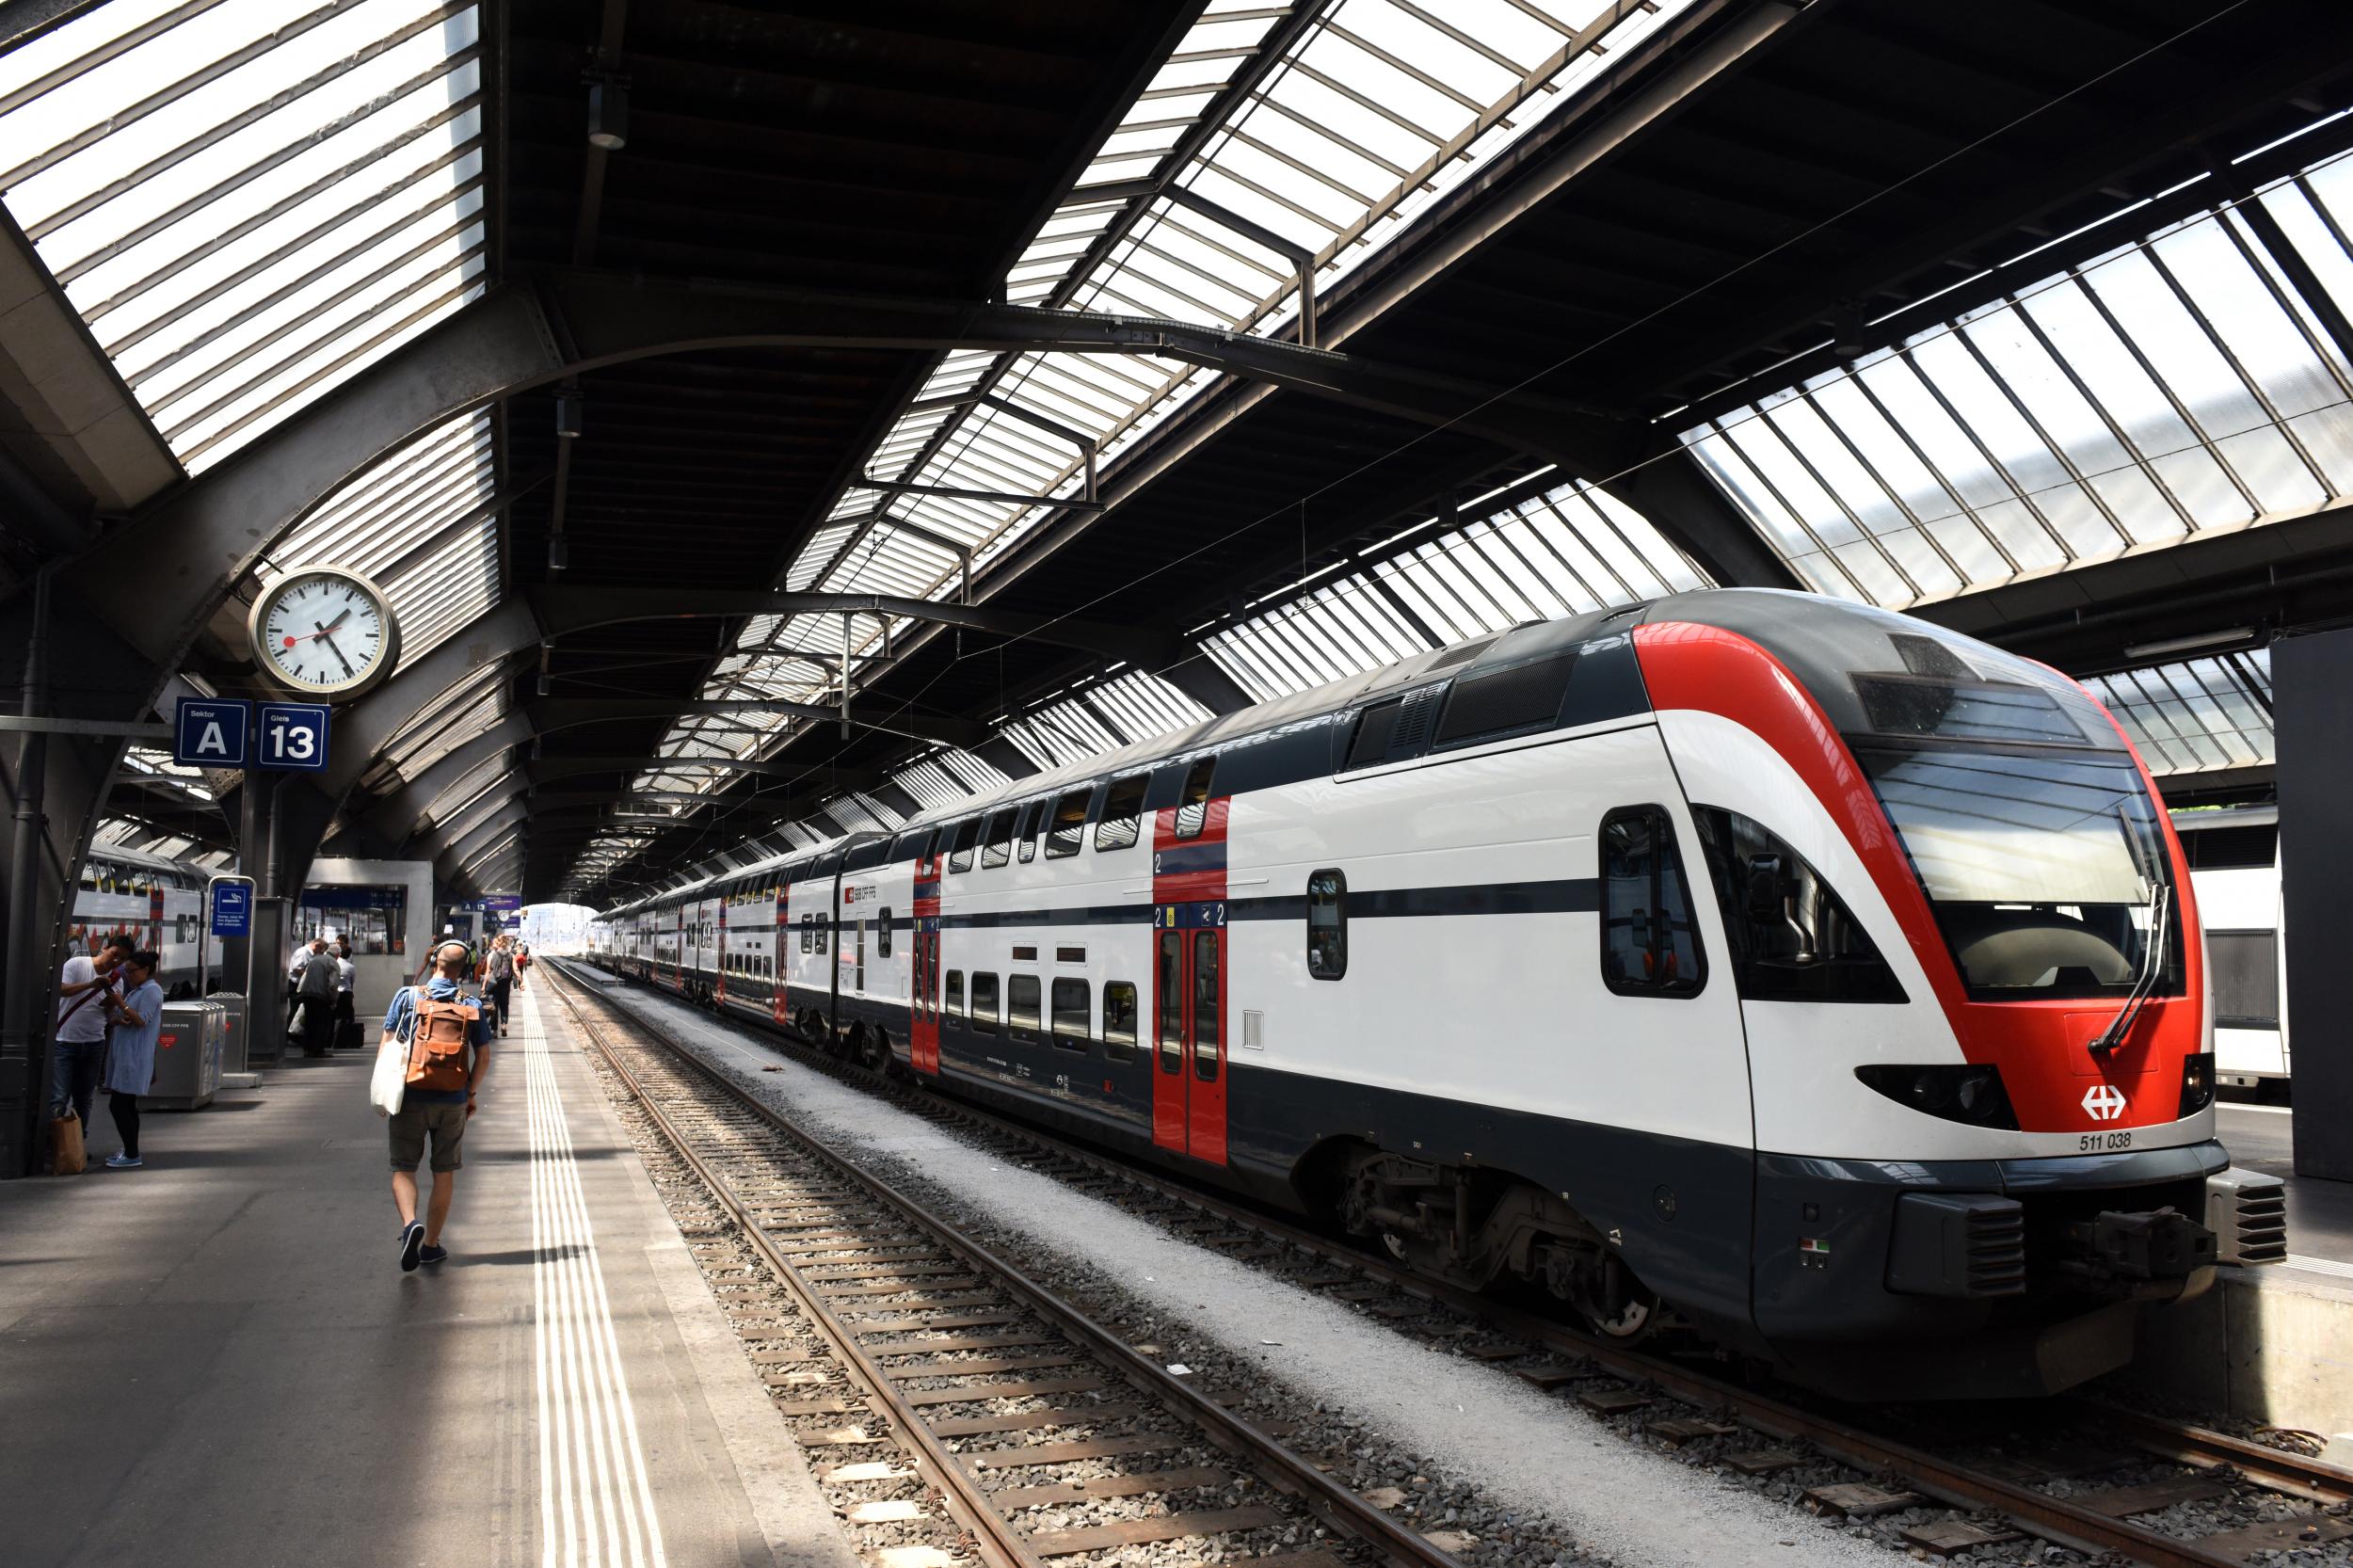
608, 116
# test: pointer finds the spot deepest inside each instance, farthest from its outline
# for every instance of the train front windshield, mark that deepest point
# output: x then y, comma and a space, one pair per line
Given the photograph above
2043, 862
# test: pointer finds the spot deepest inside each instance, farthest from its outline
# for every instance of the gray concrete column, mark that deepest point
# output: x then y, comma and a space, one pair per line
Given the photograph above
2311, 679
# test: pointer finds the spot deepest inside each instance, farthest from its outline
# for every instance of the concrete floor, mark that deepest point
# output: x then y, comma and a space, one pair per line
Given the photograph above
215, 1360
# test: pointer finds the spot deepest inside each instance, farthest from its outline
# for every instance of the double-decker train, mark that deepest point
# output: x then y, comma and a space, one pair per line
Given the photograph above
159, 901
1807, 973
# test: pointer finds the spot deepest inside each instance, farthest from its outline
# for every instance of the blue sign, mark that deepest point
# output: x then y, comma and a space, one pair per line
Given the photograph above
207, 733
292, 737
233, 909
500, 902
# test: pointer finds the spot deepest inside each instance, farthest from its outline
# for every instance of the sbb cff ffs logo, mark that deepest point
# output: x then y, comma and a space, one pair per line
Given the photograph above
2103, 1102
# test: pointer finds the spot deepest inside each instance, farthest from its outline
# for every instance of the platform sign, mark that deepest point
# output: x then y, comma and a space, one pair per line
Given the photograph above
500, 903
293, 736
233, 909
211, 733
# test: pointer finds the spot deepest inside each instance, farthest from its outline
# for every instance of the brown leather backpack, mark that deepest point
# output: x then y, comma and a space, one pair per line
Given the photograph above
436, 1051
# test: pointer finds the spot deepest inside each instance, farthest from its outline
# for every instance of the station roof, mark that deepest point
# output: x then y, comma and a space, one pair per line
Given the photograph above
2032, 318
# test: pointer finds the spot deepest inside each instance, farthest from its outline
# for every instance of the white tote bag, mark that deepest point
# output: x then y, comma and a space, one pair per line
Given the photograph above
389, 1083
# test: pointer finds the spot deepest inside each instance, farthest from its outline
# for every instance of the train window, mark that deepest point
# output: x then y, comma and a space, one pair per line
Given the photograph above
1070, 956
1791, 938
1021, 1006
912, 846
1327, 924
1025, 955
1192, 806
1067, 828
1073, 1014
954, 1004
1025, 834
959, 840
2246, 971
1207, 1011
882, 934
1119, 1020
2215, 849
997, 847
985, 1001
1117, 827
1167, 984
809, 936
821, 924
1649, 945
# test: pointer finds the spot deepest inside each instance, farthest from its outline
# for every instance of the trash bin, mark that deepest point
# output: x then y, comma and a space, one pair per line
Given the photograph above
232, 1041
187, 1056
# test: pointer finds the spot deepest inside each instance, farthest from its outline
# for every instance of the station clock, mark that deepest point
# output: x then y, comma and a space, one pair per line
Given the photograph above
323, 632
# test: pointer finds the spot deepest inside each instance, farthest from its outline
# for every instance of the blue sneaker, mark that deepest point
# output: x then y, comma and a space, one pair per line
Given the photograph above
412, 1243
120, 1162
433, 1254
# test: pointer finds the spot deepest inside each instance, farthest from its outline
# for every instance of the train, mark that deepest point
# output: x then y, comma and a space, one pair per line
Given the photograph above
158, 901
1800, 975
2234, 856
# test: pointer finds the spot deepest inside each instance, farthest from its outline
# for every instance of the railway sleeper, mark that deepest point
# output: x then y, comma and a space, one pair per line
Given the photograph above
1471, 1226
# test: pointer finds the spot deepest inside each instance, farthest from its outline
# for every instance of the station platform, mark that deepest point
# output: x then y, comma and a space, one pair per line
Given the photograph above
2274, 1344
215, 1360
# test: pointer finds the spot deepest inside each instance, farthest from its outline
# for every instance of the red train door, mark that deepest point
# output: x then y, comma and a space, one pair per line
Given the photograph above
923, 996
1189, 981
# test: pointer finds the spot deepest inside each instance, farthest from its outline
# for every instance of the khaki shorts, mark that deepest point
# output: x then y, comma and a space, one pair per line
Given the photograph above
448, 1123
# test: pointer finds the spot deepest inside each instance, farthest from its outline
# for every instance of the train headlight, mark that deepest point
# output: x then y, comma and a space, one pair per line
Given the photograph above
2197, 1084
1970, 1093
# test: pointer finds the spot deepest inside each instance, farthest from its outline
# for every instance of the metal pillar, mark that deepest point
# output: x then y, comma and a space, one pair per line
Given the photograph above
2312, 697
23, 984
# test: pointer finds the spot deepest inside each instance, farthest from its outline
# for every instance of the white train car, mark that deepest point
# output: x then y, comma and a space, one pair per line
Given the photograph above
160, 902
2234, 856
1803, 971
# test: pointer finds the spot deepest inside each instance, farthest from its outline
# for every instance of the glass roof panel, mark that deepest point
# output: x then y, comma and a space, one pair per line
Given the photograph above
2197, 715
417, 523
1355, 113
250, 203
2175, 386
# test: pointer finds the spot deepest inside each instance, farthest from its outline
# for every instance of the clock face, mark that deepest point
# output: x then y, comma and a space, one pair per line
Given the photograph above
324, 632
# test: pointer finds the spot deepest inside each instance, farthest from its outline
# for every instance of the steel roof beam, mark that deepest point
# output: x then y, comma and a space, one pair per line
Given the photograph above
567, 609
548, 768
549, 714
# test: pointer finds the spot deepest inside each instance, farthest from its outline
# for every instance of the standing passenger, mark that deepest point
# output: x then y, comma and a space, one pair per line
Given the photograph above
445, 1024
346, 976
315, 987
137, 1018
499, 985
81, 1032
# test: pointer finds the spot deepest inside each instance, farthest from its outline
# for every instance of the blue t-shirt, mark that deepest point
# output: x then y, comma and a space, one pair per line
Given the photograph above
441, 989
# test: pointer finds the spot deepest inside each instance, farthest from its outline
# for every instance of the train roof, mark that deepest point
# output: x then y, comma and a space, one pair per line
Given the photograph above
1816, 636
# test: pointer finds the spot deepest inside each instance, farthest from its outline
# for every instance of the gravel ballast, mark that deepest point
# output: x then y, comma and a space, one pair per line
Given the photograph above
1361, 1388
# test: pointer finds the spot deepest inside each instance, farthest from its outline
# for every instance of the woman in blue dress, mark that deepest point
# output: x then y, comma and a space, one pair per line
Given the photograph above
135, 1023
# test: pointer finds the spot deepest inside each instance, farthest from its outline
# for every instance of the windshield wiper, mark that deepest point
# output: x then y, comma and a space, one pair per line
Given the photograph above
2151, 966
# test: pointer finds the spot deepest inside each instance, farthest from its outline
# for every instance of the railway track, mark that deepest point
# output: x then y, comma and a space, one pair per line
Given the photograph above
1996, 1491
923, 1372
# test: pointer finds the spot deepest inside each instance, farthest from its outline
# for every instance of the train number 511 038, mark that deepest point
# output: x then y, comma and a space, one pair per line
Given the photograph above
2091, 1140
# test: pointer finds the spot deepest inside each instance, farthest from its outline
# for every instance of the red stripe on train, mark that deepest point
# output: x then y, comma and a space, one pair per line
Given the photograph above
2038, 1045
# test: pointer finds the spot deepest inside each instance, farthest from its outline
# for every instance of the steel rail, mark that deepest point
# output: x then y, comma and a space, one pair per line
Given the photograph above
2058, 1520
1000, 1544
1287, 1470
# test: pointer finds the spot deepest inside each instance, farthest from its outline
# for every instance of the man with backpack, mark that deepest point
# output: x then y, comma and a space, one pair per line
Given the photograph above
449, 1050
316, 984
